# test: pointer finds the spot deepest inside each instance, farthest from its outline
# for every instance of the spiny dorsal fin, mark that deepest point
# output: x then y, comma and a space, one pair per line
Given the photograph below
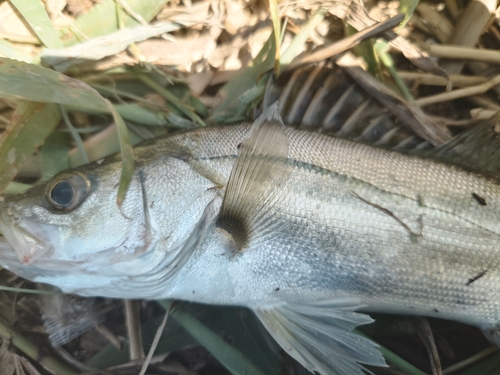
258, 175
477, 149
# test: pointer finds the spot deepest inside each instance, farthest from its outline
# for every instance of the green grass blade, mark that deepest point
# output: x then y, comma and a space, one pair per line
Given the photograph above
38, 84
127, 155
7, 50
300, 39
36, 16
106, 16
407, 7
15, 188
396, 360
35, 83
231, 358
55, 154
31, 125
172, 99
99, 48
273, 10
247, 87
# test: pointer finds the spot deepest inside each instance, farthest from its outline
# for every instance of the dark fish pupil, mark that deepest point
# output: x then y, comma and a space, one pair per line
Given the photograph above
62, 193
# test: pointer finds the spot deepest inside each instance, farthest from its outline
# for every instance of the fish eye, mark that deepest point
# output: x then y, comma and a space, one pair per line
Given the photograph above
67, 192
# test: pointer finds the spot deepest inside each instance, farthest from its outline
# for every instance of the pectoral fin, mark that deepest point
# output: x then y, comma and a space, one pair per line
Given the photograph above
254, 187
319, 336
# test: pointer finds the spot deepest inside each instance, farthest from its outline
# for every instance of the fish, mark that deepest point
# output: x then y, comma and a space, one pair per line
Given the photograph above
310, 232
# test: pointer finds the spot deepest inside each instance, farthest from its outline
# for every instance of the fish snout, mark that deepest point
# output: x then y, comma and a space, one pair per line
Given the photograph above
29, 239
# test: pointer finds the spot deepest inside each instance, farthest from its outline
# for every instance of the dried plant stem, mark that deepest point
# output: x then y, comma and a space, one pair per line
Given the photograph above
463, 53
424, 332
407, 112
481, 113
347, 43
469, 27
430, 79
471, 360
452, 8
20, 38
132, 312
154, 344
460, 93
436, 22
32, 350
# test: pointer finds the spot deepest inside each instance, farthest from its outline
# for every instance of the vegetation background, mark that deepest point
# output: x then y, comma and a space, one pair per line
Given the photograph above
83, 79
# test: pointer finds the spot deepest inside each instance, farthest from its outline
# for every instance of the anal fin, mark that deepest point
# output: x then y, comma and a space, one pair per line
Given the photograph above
319, 335
253, 191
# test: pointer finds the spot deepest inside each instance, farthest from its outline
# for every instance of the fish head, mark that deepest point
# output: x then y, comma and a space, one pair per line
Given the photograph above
73, 221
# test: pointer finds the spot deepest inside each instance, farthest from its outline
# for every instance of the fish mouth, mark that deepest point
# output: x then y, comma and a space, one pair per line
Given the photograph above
29, 239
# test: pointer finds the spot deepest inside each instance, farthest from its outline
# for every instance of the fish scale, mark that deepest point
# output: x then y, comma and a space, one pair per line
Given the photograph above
309, 231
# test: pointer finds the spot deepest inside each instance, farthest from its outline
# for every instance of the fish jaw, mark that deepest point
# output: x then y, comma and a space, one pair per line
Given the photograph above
29, 239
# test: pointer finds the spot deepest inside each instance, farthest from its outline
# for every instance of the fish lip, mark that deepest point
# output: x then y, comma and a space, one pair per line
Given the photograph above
29, 239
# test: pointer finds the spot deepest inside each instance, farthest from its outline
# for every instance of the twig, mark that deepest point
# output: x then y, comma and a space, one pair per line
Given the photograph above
347, 43
133, 323
424, 332
460, 93
110, 336
408, 113
471, 360
156, 340
430, 79
481, 113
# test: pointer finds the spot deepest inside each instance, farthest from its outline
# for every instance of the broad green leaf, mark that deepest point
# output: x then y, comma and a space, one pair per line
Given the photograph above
31, 124
35, 15
105, 15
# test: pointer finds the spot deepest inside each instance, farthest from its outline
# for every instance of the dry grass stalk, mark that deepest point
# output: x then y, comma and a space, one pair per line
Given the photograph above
460, 93
347, 43
437, 23
463, 53
432, 80
469, 28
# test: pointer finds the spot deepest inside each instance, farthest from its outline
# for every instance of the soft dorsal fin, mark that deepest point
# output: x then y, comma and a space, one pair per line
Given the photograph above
477, 149
257, 178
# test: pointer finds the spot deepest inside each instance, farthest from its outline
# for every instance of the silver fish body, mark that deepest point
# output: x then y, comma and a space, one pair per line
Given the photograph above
332, 227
